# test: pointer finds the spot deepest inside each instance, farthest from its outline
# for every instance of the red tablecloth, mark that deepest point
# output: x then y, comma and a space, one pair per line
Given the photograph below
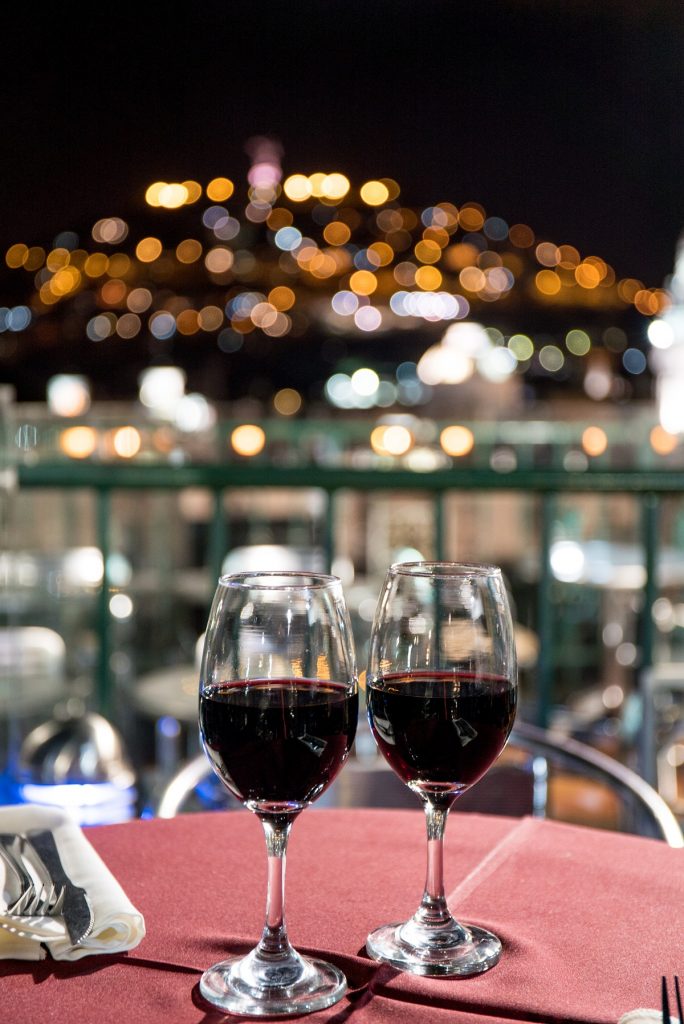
589, 920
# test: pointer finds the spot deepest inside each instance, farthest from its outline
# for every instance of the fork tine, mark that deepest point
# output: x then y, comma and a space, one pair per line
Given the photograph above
19, 906
56, 908
43, 902
665, 1001
33, 904
678, 997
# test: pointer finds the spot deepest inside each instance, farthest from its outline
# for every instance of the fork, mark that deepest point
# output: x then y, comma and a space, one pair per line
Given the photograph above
32, 900
40, 928
45, 901
666, 1001
10, 851
34, 914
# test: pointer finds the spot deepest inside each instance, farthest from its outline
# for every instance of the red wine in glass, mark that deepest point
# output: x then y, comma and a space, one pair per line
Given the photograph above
441, 731
278, 743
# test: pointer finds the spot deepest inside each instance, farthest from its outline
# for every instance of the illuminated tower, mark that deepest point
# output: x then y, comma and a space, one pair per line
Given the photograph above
667, 337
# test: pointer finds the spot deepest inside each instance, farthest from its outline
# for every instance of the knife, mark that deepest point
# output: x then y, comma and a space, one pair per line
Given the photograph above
76, 911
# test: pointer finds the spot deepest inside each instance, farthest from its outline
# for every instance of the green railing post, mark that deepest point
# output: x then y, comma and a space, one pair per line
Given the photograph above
104, 620
329, 529
545, 659
650, 533
650, 530
439, 500
218, 540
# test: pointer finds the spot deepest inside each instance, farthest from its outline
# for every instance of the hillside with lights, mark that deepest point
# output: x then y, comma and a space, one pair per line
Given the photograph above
296, 283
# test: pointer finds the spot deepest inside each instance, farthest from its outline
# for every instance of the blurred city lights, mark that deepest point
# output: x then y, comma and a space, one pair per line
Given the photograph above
594, 441
78, 442
148, 250
365, 381
121, 606
194, 413
83, 567
662, 441
287, 256
374, 193
68, 395
660, 334
457, 440
567, 561
161, 389
219, 189
521, 346
287, 402
391, 439
248, 439
126, 442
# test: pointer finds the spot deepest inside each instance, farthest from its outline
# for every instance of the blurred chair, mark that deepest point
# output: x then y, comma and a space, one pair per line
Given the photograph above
538, 774
587, 787
32, 670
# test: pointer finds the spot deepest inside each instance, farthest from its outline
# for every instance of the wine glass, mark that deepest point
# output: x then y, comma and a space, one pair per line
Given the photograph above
441, 695
278, 709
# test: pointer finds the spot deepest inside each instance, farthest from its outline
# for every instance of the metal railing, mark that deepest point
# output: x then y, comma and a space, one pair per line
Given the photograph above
648, 486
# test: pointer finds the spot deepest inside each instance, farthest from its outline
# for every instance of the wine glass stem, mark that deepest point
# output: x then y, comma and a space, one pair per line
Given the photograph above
274, 943
433, 910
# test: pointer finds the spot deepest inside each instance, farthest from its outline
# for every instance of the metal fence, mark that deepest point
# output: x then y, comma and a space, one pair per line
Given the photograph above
648, 487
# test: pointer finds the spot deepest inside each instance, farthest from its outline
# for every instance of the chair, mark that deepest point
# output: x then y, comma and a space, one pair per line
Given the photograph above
599, 779
32, 670
538, 774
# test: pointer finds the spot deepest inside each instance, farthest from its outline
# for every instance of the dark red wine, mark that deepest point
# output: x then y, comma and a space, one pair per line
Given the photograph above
278, 743
438, 730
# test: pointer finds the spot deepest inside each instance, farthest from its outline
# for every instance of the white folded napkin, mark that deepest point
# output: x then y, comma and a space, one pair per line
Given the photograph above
117, 925
644, 1017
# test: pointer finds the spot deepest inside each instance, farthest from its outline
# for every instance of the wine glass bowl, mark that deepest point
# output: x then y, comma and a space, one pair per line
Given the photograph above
278, 710
441, 699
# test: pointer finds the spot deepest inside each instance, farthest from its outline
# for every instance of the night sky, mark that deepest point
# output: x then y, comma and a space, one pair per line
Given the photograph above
566, 116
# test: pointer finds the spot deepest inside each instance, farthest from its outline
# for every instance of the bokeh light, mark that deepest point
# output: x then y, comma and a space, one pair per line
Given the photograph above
287, 402
374, 193
126, 442
219, 189
391, 439
662, 441
78, 442
148, 250
457, 440
68, 395
248, 439
594, 441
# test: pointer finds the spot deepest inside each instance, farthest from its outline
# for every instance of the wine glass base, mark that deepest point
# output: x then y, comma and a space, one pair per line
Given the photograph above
225, 986
473, 951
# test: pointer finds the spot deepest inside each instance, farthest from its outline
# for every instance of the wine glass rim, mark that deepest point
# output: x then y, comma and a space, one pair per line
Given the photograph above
290, 579
434, 568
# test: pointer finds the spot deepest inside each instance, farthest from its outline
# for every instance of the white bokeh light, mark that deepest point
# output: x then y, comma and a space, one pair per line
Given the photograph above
161, 389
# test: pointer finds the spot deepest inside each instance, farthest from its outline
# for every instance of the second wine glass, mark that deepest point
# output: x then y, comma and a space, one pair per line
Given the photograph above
441, 695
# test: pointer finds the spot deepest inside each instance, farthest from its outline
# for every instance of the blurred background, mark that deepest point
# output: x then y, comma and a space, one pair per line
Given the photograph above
330, 286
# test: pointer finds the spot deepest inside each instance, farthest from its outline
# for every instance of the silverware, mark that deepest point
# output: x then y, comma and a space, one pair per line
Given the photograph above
666, 1001
20, 883
76, 909
43, 901
31, 899
38, 927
